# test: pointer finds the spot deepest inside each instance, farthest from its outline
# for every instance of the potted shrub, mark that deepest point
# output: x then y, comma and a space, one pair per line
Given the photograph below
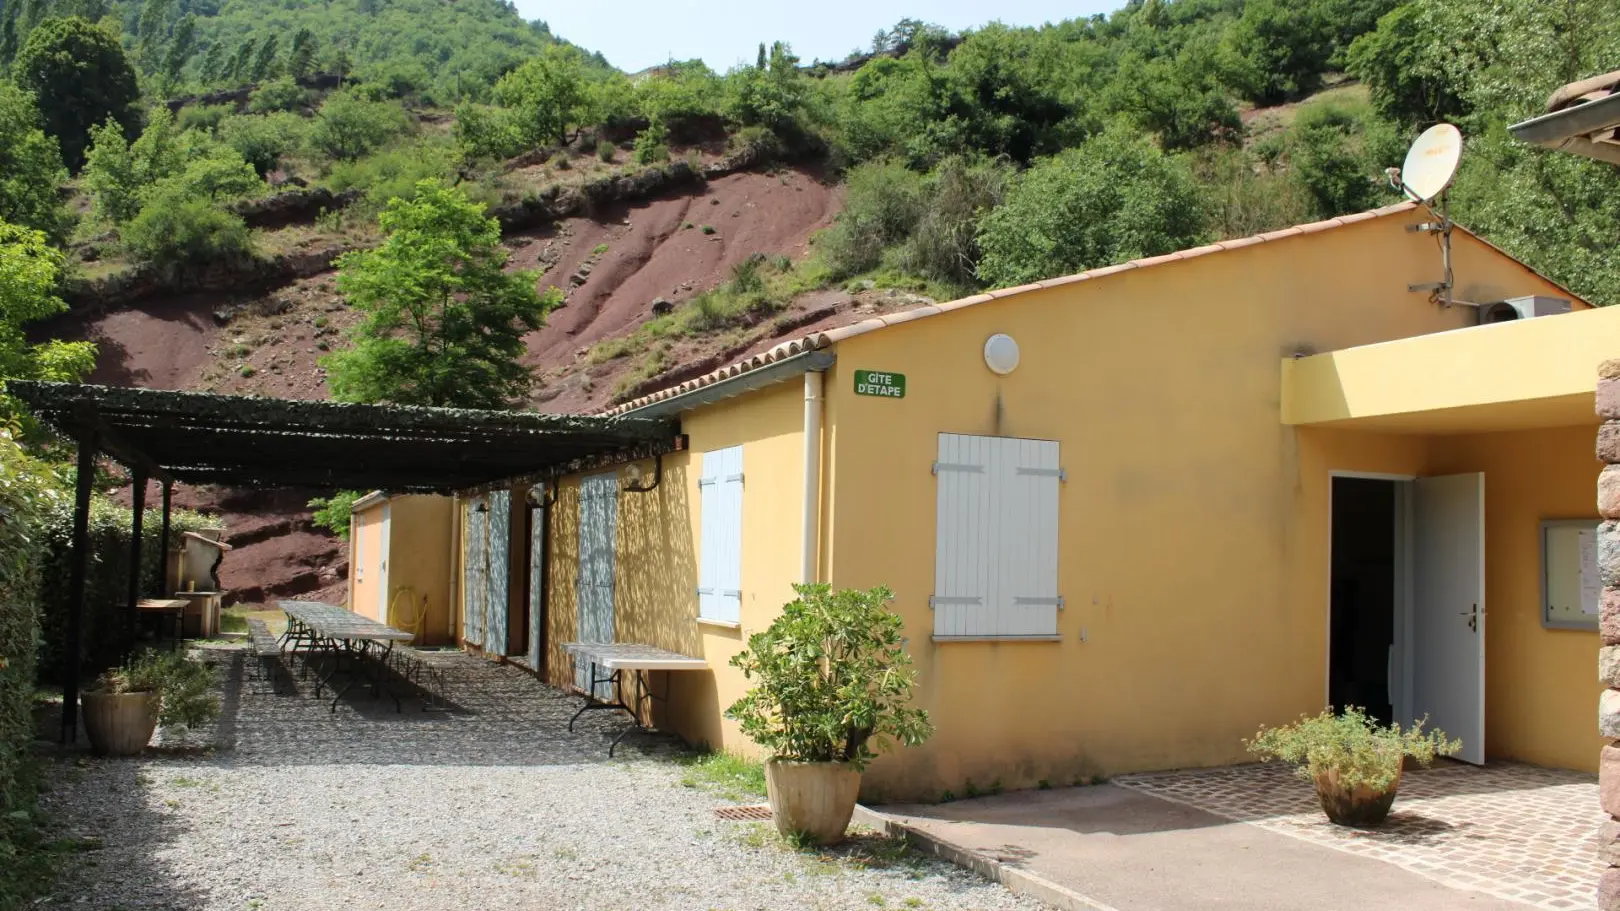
125, 705
833, 687
1354, 762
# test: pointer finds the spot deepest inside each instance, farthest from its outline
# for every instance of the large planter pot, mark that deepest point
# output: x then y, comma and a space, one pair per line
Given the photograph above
119, 724
812, 800
1361, 807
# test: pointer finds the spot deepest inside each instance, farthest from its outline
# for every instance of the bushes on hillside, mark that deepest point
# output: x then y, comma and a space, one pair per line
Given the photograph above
283, 94
349, 127
30, 167
174, 229
263, 140
1114, 198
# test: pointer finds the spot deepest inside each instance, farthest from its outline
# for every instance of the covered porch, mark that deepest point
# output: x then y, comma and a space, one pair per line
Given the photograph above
1453, 550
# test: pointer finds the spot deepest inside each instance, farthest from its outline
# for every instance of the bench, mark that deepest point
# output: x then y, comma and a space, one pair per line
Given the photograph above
418, 670
266, 651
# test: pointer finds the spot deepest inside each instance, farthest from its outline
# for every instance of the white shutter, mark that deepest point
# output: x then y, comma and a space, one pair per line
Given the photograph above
720, 544
995, 563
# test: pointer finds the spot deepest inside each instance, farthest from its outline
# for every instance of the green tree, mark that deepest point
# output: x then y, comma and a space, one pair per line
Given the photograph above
80, 77
1279, 49
262, 140
547, 94
348, 126
240, 67
1396, 63
1113, 198
772, 94
265, 62
30, 167
1338, 159
29, 271
280, 94
442, 321
176, 229
182, 45
301, 56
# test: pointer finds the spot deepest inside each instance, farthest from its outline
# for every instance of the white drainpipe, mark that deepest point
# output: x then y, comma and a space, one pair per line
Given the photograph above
812, 473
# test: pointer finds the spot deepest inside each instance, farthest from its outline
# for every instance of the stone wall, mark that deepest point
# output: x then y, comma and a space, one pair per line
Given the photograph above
1608, 451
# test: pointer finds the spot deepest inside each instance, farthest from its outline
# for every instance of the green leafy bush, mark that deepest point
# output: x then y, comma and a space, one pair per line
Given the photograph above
831, 680
486, 132
264, 140
185, 687
348, 127
281, 94
175, 229
395, 172
883, 202
79, 77
204, 118
30, 167
29, 491
1362, 752
1114, 198
652, 145
334, 512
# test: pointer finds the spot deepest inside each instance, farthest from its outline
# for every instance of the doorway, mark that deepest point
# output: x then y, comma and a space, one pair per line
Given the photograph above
1363, 596
1406, 604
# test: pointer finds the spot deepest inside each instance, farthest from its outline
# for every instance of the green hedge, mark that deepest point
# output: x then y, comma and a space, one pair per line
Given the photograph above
28, 490
106, 584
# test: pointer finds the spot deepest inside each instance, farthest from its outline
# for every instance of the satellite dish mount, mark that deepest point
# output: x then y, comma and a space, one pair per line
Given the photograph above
1431, 165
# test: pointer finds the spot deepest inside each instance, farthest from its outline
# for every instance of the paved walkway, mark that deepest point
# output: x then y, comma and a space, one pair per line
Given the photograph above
1503, 838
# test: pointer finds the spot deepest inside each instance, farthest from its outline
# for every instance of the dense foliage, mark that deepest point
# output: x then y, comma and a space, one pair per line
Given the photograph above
30, 167
830, 680
29, 269
80, 77
443, 322
29, 489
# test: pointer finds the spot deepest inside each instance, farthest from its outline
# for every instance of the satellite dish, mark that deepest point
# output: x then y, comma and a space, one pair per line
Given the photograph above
1431, 163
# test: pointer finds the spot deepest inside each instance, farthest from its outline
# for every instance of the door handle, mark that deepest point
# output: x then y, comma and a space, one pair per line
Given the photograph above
1473, 617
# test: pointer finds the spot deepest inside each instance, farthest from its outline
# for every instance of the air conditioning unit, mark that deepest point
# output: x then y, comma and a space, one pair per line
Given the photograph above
1522, 308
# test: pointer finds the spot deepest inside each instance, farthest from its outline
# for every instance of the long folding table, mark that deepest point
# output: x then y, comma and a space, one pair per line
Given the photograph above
334, 633
608, 662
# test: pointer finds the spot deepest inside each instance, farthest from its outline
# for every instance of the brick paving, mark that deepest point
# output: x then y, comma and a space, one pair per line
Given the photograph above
1512, 831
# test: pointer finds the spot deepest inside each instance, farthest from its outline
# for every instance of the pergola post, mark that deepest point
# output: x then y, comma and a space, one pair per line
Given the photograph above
137, 516
163, 540
83, 484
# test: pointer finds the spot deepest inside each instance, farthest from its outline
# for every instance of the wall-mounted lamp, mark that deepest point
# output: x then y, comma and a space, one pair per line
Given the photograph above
634, 479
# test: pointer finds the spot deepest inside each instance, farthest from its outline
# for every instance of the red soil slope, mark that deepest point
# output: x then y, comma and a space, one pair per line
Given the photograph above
270, 345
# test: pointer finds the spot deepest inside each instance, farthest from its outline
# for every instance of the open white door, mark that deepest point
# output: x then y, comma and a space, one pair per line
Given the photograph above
1448, 608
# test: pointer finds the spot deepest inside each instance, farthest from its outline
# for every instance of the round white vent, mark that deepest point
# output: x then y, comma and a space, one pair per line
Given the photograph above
1001, 354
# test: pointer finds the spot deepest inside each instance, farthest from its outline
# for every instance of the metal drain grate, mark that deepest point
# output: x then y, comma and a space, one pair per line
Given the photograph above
761, 812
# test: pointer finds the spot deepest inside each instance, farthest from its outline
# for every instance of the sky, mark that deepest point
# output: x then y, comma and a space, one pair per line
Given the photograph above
636, 34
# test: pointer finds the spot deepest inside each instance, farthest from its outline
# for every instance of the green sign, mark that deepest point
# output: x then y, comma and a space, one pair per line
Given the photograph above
880, 383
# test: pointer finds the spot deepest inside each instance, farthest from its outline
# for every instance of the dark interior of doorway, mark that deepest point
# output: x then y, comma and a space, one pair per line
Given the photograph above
1363, 595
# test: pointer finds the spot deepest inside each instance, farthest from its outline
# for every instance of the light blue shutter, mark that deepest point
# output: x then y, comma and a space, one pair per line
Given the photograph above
720, 550
598, 521
995, 559
500, 571
537, 563
474, 542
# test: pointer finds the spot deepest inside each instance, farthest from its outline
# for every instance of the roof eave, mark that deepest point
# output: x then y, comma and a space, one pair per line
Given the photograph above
1569, 130
812, 361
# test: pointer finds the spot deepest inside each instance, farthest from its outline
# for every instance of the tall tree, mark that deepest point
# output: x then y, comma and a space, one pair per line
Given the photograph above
182, 44
264, 64
301, 56
548, 94
442, 321
80, 77
29, 271
30, 167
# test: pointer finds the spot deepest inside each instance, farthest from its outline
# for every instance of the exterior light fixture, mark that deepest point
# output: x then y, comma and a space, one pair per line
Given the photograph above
1001, 354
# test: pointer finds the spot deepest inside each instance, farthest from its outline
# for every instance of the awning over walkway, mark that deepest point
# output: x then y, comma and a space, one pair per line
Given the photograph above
236, 440
1525, 374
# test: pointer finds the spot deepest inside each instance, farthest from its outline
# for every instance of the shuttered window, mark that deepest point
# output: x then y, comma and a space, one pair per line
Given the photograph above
995, 558
720, 546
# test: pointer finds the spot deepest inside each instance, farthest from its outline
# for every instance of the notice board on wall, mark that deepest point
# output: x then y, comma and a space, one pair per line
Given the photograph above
1570, 585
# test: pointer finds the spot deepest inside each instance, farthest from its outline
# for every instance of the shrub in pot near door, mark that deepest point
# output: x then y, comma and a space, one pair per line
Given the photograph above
125, 705
1354, 762
832, 689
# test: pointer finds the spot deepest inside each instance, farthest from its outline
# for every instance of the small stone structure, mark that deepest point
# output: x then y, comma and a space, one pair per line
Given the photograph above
1608, 451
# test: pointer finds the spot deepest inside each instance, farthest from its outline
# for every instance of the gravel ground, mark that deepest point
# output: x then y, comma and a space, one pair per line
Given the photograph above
492, 805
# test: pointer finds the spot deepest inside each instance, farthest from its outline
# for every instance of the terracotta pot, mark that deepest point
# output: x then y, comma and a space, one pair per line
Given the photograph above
1361, 807
812, 800
119, 724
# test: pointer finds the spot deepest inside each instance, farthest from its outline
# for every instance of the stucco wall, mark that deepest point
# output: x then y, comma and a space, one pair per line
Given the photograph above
656, 568
419, 559
1192, 556
365, 574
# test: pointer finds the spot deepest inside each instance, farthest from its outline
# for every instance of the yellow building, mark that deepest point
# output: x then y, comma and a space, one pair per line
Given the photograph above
413, 592
1128, 516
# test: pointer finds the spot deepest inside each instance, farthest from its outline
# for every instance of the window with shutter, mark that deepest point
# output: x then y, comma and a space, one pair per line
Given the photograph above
720, 545
995, 557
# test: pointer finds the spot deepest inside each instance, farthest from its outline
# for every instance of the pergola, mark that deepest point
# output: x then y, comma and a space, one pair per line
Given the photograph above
199, 438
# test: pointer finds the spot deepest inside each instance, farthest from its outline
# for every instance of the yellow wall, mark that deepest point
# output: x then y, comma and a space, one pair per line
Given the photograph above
1192, 550
1539, 683
656, 567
